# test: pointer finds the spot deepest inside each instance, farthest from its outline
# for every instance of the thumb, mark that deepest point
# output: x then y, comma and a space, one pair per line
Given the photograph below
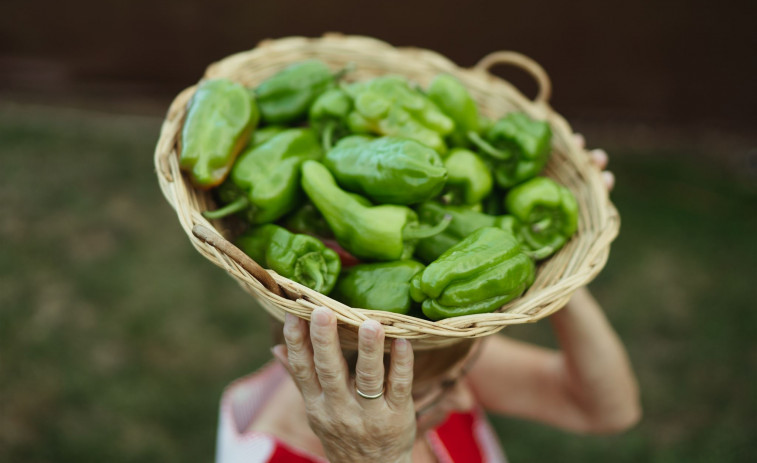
280, 353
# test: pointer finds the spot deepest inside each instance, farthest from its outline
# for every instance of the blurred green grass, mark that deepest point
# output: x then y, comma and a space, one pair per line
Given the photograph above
117, 337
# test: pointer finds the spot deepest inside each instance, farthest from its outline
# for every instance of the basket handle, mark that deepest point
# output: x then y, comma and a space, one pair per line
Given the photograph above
521, 61
217, 241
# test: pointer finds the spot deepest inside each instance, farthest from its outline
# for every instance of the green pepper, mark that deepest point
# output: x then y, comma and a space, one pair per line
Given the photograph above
518, 147
464, 222
547, 212
451, 96
469, 180
263, 134
387, 169
306, 219
266, 177
285, 97
328, 116
378, 286
301, 258
478, 275
387, 105
385, 232
220, 117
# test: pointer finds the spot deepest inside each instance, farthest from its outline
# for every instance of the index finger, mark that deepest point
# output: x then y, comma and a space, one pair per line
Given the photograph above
327, 353
300, 356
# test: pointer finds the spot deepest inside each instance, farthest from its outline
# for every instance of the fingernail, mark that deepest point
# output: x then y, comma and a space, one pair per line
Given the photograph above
370, 328
321, 316
600, 157
401, 345
609, 179
278, 352
579, 139
599, 154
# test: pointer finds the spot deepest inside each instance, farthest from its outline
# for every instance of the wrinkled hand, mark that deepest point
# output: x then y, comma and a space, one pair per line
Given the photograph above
600, 159
351, 428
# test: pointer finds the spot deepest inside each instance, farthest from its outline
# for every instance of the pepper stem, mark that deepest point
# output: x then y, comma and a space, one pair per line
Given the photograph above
235, 206
349, 67
541, 225
541, 253
487, 148
530, 241
415, 232
328, 135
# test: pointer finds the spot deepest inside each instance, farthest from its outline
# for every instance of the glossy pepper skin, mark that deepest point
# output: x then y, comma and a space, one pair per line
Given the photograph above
220, 117
478, 275
378, 286
547, 212
385, 232
464, 222
469, 180
285, 97
387, 105
387, 169
451, 96
301, 258
265, 179
263, 134
328, 116
517, 146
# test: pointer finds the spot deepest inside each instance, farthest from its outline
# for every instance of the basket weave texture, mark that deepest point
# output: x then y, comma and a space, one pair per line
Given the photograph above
576, 264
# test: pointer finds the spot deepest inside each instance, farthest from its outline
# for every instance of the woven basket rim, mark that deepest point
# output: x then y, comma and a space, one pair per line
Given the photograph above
279, 295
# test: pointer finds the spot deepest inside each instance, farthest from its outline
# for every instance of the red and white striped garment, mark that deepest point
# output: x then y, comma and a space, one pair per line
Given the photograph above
463, 437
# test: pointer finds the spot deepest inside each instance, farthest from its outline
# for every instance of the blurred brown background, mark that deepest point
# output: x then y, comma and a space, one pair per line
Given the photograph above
676, 62
117, 337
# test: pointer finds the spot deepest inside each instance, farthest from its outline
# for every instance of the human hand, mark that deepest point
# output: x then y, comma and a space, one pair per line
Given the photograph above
600, 159
350, 427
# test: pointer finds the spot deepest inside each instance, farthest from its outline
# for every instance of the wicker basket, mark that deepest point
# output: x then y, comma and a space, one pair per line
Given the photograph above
577, 263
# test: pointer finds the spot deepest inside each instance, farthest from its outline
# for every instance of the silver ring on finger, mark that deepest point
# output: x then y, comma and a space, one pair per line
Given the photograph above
368, 396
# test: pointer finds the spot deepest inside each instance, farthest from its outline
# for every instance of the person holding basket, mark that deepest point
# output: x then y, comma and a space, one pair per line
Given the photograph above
320, 403
371, 150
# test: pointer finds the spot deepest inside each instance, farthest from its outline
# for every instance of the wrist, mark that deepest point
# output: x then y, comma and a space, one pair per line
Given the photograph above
362, 455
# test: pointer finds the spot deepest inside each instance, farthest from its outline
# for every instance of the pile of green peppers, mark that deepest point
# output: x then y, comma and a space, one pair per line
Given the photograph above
380, 193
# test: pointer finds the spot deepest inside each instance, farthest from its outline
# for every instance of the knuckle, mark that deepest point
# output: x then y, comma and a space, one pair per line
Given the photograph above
298, 356
292, 335
377, 428
314, 407
369, 377
403, 369
328, 375
301, 371
320, 337
351, 422
403, 363
316, 421
370, 350
403, 388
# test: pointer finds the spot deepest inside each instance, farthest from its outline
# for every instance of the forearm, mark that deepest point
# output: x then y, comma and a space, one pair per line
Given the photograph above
596, 372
